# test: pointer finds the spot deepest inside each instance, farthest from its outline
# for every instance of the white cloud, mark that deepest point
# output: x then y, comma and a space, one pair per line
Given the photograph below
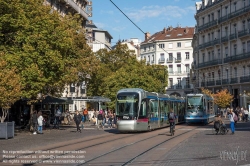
118, 28
168, 12
100, 25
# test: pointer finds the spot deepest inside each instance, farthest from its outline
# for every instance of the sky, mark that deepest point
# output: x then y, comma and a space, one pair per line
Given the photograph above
149, 15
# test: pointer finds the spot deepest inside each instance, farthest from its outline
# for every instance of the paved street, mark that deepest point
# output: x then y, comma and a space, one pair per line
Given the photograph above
191, 145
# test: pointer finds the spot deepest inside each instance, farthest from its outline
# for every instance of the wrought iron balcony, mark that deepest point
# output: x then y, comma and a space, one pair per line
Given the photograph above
225, 81
203, 84
210, 63
178, 87
224, 39
233, 36
216, 41
245, 79
239, 12
178, 60
218, 82
238, 57
210, 83
243, 33
161, 60
171, 87
187, 86
170, 60
234, 80
208, 6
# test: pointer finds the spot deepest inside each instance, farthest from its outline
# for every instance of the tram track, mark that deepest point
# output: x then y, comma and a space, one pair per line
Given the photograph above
100, 143
133, 143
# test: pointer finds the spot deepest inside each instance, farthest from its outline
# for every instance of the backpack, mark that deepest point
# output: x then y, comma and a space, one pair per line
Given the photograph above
99, 117
217, 125
171, 116
235, 118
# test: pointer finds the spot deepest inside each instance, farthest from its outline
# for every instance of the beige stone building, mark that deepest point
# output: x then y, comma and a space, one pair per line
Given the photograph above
171, 47
222, 48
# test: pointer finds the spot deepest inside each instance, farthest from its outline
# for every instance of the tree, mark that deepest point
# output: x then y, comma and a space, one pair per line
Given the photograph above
10, 88
119, 69
47, 50
222, 98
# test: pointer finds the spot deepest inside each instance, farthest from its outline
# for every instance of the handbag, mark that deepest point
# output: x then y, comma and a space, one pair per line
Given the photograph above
235, 118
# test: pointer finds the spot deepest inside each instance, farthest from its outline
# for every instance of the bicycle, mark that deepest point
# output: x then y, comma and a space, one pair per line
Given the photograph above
172, 128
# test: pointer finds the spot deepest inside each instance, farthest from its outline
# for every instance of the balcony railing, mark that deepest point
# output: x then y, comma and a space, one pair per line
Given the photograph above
171, 87
224, 39
210, 63
162, 60
207, 25
238, 57
225, 81
233, 36
203, 84
187, 86
234, 80
245, 79
178, 60
210, 83
243, 33
218, 82
170, 60
178, 87
208, 6
178, 72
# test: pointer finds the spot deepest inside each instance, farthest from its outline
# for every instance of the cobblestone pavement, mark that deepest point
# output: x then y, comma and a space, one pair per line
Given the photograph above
25, 140
208, 149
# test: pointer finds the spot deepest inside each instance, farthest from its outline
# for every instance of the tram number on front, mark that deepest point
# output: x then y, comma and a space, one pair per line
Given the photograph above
125, 117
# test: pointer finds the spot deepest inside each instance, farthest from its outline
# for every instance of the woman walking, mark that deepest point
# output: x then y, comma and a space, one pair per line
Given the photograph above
231, 118
40, 122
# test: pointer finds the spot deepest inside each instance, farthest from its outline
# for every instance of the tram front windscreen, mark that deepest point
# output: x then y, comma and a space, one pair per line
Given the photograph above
127, 105
194, 103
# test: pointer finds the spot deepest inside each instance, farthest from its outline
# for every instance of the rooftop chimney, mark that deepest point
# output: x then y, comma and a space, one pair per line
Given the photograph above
147, 35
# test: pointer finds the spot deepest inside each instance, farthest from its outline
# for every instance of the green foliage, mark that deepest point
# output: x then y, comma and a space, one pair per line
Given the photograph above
48, 50
119, 69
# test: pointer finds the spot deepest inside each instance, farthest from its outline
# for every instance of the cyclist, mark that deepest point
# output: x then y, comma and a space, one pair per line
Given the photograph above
171, 119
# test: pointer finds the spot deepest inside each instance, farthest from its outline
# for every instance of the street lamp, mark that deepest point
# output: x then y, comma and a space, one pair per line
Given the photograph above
40, 97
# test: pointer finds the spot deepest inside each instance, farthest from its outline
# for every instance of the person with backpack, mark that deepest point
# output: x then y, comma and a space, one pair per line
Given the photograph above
232, 116
171, 119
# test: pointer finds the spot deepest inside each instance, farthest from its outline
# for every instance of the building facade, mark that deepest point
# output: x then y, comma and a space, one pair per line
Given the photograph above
222, 48
171, 47
97, 38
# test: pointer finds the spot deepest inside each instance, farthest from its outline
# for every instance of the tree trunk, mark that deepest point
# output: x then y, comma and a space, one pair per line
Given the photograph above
5, 113
31, 113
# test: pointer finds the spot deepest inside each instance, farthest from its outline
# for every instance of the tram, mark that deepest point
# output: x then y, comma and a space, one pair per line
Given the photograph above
199, 108
139, 110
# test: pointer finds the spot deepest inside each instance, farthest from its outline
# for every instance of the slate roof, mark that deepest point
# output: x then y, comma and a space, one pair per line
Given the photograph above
172, 33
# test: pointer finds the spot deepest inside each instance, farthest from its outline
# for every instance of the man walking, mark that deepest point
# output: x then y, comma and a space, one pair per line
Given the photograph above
78, 119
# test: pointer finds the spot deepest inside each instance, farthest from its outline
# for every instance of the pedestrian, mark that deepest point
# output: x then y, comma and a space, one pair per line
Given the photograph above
95, 117
231, 116
58, 115
78, 119
40, 122
34, 122
110, 119
100, 120
246, 114
85, 114
82, 122
68, 116
114, 120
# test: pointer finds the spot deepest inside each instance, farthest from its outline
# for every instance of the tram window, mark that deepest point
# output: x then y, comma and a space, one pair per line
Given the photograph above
143, 110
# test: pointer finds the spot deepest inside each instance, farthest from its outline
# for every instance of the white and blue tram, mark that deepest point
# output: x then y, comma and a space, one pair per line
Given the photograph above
199, 108
139, 110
